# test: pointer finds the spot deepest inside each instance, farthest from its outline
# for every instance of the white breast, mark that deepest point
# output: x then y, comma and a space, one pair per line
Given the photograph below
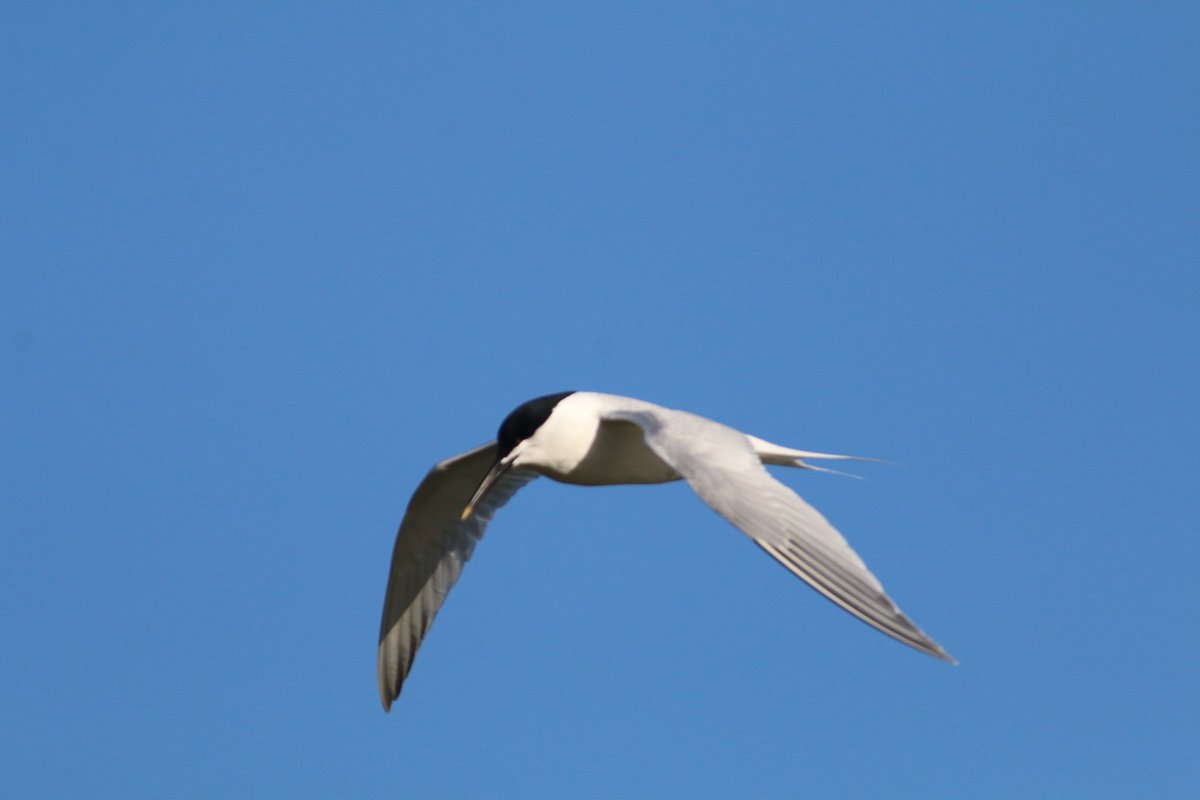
574, 445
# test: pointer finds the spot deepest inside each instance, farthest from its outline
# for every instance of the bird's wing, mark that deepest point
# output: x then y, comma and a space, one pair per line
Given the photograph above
721, 466
431, 547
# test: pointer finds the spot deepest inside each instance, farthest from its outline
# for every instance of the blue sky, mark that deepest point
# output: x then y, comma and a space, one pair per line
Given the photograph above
263, 267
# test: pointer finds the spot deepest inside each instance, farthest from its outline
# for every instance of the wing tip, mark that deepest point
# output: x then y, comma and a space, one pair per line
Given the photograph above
942, 655
949, 659
388, 694
927, 646
389, 689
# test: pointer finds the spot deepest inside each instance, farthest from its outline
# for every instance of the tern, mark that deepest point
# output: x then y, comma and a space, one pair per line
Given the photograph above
593, 439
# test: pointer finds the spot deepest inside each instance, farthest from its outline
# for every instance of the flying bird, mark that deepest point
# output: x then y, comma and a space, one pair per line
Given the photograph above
593, 439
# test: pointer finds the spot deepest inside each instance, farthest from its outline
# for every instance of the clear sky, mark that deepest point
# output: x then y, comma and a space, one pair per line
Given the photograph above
261, 268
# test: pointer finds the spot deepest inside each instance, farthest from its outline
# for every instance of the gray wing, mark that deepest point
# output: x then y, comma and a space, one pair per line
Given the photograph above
721, 466
431, 547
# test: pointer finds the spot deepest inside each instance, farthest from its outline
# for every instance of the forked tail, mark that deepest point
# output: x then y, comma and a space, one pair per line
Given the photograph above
770, 453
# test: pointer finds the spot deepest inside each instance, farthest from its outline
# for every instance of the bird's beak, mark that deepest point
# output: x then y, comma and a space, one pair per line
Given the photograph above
498, 469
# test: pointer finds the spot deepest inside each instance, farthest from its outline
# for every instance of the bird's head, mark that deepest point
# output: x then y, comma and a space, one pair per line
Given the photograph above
517, 428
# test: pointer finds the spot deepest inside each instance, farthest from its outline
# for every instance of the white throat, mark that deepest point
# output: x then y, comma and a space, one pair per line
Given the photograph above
576, 444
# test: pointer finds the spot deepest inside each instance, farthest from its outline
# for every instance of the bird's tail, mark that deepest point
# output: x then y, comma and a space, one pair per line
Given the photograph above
770, 453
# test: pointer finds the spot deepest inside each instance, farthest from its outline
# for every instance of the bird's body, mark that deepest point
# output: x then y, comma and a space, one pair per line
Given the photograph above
579, 443
593, 439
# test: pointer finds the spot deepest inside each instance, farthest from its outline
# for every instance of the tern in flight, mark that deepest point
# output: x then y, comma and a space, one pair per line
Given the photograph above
593, 439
